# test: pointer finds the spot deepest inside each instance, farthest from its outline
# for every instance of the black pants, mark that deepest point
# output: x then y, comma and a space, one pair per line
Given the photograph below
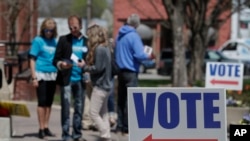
45, 93
126, 79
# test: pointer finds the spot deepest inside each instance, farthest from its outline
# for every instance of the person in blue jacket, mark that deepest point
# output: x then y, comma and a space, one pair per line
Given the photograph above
129, 52
44, 73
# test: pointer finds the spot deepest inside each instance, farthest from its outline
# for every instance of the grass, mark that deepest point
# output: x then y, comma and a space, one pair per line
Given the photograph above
142, 83
153, 83
242, 96
57, 99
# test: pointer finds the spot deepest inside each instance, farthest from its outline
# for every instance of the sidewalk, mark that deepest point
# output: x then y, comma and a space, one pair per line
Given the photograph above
26, 129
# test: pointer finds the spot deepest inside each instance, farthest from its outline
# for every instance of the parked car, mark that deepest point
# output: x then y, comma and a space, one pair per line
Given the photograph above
238, 49
216, 56
147, 64
166, 62
165, 65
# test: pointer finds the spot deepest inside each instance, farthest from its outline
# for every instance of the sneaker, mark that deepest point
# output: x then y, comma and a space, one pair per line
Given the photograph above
125, 134
48, 132
112, 119
112, 122
93, 127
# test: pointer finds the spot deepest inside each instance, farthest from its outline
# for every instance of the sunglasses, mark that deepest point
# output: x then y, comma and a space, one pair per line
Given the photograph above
73, 28
49, 30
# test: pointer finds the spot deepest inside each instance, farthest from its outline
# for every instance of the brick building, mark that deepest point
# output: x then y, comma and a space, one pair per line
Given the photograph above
25, 27
153, 14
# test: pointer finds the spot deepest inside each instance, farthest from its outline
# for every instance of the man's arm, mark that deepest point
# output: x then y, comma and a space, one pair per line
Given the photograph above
58, 54
138, 48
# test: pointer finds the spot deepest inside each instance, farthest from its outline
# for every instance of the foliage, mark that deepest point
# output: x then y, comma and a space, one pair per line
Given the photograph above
54, 8
79, 7
65, 8
243, 98
202, 20
199, 83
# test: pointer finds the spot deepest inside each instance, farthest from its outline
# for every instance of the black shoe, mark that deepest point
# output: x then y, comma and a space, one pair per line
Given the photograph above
48, 133
93, 128
80, 139
106, 139
41, 134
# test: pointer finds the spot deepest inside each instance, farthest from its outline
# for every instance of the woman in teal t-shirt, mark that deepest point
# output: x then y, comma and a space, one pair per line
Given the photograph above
44, 73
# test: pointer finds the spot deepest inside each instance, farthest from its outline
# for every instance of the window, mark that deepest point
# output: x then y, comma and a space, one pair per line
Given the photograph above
167, 54
243, 49
230, 46
212, 55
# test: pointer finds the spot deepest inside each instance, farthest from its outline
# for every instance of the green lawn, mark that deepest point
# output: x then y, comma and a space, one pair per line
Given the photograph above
244, 96
153, 83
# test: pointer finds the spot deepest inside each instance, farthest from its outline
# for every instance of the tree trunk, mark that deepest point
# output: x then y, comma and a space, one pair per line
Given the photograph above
196, 69
179, 66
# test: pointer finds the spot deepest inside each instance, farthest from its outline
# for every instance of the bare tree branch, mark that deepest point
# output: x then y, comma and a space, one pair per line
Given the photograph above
169, 8
26, 24
13, 9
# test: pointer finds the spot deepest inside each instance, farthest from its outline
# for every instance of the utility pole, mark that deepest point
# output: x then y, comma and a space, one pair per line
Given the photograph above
89, 7
238, 20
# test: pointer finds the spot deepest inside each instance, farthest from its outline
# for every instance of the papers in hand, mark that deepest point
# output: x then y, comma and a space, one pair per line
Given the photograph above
70, 62
148, 50
74, 58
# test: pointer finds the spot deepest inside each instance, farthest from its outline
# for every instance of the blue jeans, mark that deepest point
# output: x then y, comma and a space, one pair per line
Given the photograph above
125, 79
74, 89
111, 99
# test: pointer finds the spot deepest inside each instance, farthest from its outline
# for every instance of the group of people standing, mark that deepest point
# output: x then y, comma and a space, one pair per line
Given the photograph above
65, 62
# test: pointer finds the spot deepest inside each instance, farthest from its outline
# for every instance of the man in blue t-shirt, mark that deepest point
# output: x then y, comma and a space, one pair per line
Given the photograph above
70, 51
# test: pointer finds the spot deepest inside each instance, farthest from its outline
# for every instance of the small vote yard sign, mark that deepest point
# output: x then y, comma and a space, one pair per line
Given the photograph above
224, 75
176, 114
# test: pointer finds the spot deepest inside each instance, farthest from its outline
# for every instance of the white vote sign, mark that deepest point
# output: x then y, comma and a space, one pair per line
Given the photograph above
176, 114
224, 75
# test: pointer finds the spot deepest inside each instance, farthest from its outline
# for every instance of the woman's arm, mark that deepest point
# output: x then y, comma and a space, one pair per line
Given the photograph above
33, 71
99, 64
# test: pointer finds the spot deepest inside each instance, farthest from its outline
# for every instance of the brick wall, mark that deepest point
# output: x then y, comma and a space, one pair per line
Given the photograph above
24, 91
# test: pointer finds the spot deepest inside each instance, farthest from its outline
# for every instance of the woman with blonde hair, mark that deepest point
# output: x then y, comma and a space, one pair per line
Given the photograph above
98, 63
44, 73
